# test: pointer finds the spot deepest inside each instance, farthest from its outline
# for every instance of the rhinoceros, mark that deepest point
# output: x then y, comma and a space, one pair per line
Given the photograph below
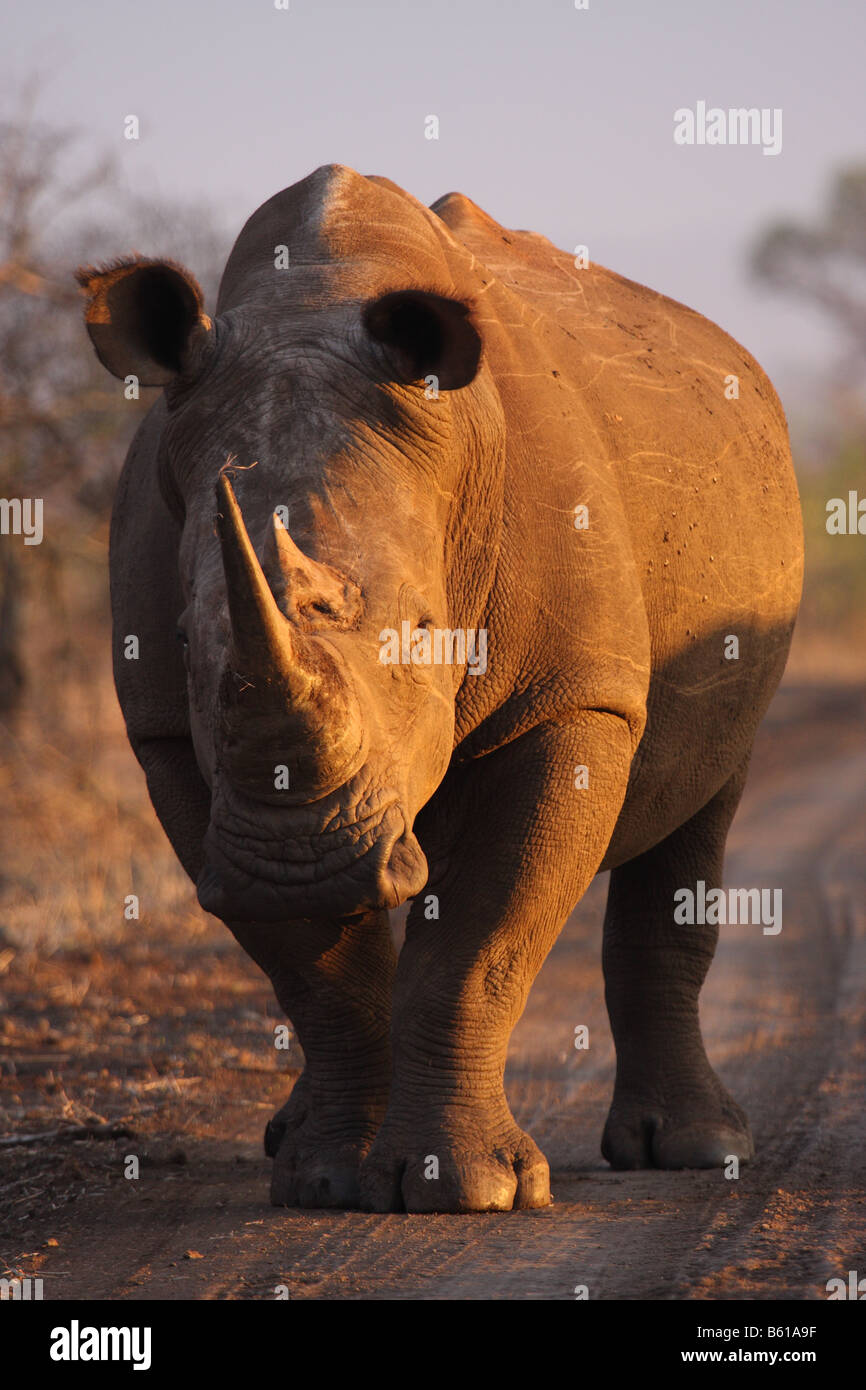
484, 563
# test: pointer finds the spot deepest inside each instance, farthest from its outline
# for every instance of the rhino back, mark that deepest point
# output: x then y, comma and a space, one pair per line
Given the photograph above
633, 387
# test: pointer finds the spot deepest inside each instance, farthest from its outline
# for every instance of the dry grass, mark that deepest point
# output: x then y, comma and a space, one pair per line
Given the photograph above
104, 1021
79, 830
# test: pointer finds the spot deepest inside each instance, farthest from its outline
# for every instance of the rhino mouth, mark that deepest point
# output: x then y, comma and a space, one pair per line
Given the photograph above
371, 862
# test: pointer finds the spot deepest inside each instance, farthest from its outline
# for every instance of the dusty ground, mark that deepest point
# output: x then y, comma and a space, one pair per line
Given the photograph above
156, 1037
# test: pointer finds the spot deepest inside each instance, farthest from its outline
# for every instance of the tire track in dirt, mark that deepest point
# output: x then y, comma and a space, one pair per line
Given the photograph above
814, 1226
784, 1022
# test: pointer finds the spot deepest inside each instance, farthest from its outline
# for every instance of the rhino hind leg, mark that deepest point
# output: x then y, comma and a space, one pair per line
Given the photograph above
669, 1108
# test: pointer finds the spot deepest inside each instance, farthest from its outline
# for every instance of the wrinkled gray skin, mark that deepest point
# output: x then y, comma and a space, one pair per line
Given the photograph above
559, 388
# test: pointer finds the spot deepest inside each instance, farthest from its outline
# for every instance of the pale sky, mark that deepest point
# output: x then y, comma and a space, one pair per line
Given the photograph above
551, 118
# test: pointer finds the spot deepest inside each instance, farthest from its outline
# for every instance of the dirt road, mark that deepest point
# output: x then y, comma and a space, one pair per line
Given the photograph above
785, 1023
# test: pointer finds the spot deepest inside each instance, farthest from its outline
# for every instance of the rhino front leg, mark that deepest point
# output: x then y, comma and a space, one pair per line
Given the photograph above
334, 980
669, 1108
512, 845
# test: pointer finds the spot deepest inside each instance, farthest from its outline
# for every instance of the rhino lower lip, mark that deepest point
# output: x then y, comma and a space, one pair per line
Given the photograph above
391, 870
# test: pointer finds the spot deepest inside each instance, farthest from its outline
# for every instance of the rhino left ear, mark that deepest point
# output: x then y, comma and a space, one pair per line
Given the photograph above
143, 317
426, 335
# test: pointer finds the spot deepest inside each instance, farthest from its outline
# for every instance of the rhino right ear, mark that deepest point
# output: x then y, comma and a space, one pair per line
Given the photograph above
143, 317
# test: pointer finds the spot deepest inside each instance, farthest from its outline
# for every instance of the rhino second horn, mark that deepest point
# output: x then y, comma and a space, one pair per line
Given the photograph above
300, 582
262, 642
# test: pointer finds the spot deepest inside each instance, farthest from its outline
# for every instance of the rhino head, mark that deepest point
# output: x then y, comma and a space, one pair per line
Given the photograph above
317, 481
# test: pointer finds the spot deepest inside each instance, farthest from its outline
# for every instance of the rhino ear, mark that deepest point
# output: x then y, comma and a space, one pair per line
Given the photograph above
143, 317
426, 335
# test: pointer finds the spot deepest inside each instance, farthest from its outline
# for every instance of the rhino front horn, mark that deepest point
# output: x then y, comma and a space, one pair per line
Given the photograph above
262, 645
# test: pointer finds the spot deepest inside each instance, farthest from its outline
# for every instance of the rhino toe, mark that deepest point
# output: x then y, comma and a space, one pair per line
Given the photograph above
446, 1176
324, 1184
638, 1137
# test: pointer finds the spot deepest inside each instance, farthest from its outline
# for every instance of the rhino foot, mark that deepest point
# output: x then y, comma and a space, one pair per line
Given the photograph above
443, 1173
704, 1133
317, 1156
317, 1178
